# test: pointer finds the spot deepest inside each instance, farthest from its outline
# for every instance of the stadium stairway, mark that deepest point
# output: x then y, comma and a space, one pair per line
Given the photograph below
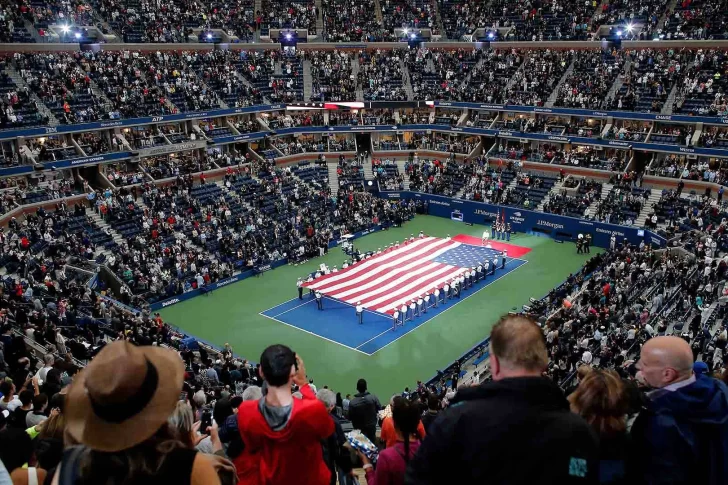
307, 81
555, 93
378, 12
99, 94
591, 210
368, 172
400, 167
619, 81
513, 78
355, 75
333, 178
99, 221
476, 68
33, 31
407, 82
670, 102
247, 83
439, 25
647, 207
319, 27
42, 108
670, 8
554, 190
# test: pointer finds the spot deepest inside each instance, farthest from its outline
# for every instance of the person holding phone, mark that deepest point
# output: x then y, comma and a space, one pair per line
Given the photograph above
282, 436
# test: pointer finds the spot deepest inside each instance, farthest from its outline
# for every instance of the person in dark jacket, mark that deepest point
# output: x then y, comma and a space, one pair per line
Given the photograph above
363, 411
433, 409
516, 429
681, 435
335, 455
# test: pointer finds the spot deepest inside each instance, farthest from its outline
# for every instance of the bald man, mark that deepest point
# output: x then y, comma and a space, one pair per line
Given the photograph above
516, 429
681, 435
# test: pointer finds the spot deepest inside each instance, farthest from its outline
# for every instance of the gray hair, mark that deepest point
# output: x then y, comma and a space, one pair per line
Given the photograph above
327, 397
49, 359
252, 393
199, 398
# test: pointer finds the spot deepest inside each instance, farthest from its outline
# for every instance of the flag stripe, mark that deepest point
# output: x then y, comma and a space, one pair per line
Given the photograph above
379, 269
363, 285
398, 276
435, 282
416, 288
395, 285
324, 281
374, 283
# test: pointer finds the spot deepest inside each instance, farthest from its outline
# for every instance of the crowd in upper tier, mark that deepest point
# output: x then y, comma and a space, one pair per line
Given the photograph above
75, 87
367, 21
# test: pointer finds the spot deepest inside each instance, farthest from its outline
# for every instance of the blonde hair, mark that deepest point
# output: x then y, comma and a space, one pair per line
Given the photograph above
602, 401
180, 423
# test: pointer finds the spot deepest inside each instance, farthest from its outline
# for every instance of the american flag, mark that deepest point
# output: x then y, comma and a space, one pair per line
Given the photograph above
397, 276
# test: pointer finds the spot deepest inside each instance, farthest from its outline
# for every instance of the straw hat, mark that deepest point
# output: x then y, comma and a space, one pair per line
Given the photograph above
123, 396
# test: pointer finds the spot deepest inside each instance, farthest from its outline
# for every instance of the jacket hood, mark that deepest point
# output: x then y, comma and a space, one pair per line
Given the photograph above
705, 401
266, 421
538, 392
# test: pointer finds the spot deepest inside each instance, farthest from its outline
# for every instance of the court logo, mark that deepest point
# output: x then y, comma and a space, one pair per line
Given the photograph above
170, 302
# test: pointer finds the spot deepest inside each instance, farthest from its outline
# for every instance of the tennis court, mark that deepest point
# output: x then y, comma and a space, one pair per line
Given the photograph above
260, 311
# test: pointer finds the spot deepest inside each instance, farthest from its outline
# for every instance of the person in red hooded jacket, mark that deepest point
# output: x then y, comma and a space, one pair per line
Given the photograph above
281, 434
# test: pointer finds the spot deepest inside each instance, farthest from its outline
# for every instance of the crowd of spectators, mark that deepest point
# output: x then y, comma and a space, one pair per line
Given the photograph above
651, 77
591, 80
279, 14
387, 174
332, 78
539, 76
621, 206
416, 14
439, 74
352, 21
435, 176
153, 20
621, 306
381, 76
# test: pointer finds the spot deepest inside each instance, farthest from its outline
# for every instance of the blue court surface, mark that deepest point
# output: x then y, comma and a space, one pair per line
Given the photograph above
337, 322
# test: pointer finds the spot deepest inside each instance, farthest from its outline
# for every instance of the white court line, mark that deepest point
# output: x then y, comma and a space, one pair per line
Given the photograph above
448, 308
280, 304
315, 334
297, 306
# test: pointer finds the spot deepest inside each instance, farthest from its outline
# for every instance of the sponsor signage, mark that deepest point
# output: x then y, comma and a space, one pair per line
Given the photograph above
523, 220
179, 147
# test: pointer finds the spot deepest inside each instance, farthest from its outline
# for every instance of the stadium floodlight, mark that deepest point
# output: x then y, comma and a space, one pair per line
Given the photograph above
77, 35
406, 31
619, 33
65, 28
630, 27
289, 36
413, 36
491, 35
209, 36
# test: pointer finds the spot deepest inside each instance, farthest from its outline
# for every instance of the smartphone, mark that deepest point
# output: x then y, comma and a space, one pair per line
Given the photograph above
183, 396
295, 361
206, 421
